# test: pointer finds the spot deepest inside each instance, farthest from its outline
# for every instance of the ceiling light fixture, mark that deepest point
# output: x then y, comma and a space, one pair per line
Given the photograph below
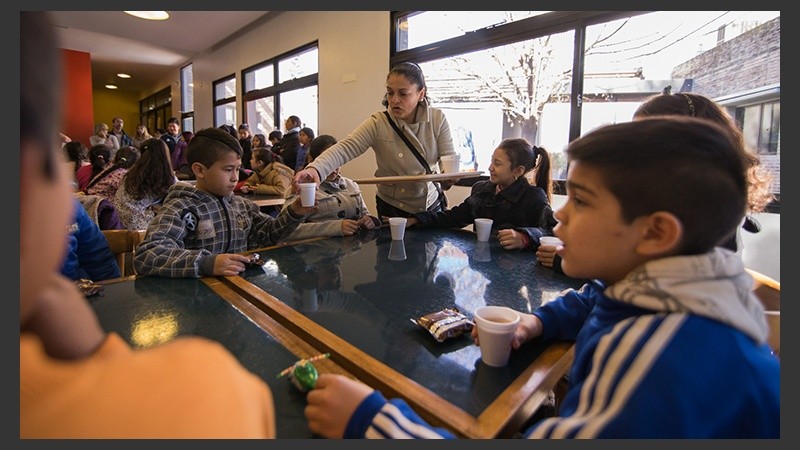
111, 86
123, 75
149, 15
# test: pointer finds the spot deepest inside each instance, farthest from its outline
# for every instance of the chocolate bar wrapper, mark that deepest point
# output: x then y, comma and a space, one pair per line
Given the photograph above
445, 324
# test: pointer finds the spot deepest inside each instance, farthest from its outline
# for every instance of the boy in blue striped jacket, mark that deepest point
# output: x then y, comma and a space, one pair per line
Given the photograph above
669, 338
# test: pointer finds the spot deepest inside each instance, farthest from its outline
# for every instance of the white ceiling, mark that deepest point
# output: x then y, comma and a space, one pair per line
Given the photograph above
147, 50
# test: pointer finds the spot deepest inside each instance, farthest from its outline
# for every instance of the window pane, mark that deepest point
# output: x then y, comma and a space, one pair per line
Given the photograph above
299, 65
188, 124
301, 103
426, 27
225, 114
500, 93
187, 89
260, 78
225, 89
261, 115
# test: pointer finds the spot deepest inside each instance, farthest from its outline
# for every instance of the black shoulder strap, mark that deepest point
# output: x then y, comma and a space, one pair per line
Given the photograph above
409, 144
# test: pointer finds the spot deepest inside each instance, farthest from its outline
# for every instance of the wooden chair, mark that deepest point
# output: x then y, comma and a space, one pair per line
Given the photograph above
768, 290
123, 245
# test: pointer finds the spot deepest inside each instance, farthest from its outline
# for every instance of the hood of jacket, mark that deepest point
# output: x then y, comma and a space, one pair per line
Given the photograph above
713, 285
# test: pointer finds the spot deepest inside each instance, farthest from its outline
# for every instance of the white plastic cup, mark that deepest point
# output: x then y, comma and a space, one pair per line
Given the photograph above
397, 250
483, 228
398, 228
496, 326
550, 241
308, 192
450, 163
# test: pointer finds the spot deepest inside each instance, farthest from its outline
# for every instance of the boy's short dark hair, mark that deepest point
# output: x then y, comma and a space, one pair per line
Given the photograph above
209, 145
690, 167
277, 134
319, 144
40, 98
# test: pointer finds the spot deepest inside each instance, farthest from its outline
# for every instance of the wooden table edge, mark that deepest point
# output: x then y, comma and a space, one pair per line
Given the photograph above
532, 386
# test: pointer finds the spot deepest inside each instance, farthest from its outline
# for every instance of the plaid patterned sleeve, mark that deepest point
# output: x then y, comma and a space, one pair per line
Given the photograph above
162, 252
267, 231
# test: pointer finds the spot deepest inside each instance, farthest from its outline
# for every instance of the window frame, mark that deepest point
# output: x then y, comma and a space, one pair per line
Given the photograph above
217, 102
277, 88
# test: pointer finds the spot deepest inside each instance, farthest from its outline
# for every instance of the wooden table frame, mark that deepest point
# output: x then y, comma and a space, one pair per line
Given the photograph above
502, 418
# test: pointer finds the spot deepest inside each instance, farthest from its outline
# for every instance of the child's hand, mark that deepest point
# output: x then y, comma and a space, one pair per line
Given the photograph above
332, 402
367, 222
546, 254
230, 264
245, 189
64, 320
300, 210
349, 227
510, 239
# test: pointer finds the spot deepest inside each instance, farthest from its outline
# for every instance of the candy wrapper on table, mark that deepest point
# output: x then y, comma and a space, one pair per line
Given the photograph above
445, 324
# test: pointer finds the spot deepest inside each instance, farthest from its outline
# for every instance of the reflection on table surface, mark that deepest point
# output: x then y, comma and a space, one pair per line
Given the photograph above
358, 288
150, 311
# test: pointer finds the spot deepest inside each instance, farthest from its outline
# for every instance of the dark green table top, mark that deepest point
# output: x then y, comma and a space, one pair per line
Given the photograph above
351, 287
152, 310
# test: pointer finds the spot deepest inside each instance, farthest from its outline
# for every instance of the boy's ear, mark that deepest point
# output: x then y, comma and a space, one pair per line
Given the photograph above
662, 233
198, 169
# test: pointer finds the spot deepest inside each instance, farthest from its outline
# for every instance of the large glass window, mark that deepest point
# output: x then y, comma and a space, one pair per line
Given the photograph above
187, 98
267, 104
225, 101
551, 76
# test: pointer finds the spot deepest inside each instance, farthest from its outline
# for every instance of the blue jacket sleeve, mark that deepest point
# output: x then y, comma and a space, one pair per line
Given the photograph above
89, 255
377, 418
563, 317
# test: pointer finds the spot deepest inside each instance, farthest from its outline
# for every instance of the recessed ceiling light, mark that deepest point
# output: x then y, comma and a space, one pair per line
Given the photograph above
123, 75
111, 86
149, 15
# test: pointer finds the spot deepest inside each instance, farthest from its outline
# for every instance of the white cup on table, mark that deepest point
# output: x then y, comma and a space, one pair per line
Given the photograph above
397, 225
496, 326
483, 228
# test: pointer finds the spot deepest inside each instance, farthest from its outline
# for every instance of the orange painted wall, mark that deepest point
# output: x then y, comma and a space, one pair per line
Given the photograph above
78, 111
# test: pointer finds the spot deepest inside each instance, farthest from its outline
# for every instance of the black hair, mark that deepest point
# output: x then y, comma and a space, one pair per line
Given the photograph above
210, 144
308, 132
413, 72
152, 174
319, 144
705, 185
40, 97
277, 134
76, 152
265, 155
